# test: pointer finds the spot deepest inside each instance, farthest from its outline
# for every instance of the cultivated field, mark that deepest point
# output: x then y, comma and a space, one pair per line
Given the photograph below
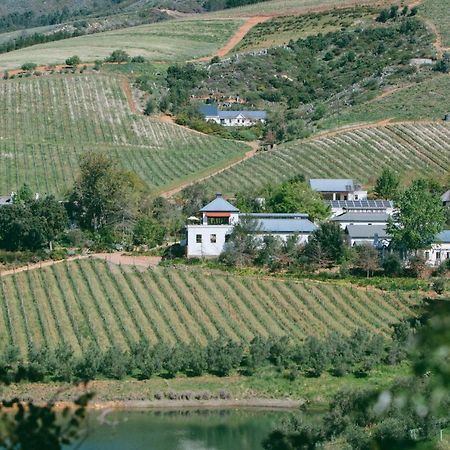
47, 122
419, 149
438, 11
86, 301
175, 40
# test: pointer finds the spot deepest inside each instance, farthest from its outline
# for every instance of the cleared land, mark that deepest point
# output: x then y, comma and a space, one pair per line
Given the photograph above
47, 122
87, 301
175, 40
427, 100
412, 149
438, 12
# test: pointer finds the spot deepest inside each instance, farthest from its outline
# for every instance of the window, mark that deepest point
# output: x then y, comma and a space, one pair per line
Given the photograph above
213, 238
218, 220
227, 238
438, 255
427, 255
448, 255
356, 197
198, 238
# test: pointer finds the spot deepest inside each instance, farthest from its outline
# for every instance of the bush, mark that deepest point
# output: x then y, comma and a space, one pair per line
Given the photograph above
392, 265
29, 66
439, 285
138, 59
118, 56
73, 61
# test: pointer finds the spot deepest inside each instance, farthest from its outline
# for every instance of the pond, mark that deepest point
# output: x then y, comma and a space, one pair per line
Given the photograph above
234, 429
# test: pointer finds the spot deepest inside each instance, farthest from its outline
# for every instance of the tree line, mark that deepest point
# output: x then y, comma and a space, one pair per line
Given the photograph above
339, 355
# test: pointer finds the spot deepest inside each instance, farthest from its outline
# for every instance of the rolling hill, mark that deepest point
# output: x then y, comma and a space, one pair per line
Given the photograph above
47, 122
84, 302
412, 149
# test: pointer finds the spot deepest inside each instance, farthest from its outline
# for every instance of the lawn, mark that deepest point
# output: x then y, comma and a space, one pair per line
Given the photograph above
176, 40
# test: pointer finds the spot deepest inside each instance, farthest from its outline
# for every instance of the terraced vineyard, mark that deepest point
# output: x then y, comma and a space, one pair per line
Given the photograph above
412, 149
86, 301
47, 122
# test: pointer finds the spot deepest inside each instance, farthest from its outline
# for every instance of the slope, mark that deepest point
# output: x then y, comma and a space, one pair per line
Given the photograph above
47, 122
87, 301
362, 153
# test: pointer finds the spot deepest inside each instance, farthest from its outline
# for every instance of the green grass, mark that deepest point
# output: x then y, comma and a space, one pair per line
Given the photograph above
87, 301
412, 149
47, 122
175, 40
427, 100
264, 384
438, 12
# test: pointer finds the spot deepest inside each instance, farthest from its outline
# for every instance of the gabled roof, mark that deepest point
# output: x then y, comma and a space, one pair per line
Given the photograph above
209, 110
252, 115
443, 237
360, 204
219, 204
285, 226
445, 197
366, 231
355, 216
332, 185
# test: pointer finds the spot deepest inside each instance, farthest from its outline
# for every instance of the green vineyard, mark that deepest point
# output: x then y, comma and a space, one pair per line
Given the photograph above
47, 122
412, 149
87, 301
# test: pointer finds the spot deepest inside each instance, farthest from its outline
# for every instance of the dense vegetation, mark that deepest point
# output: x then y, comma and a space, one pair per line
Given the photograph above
304, 81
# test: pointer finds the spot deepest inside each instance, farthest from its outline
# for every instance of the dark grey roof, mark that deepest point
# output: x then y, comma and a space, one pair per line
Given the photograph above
209, 110
285, 226
444, 237
332, 185
253, 115
219, 204
360, 204
355, 216
366, 231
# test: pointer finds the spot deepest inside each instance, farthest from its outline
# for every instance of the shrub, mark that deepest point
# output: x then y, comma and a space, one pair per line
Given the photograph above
138, 59
118, 56
73, 61
439, 285
29, 66
392, 265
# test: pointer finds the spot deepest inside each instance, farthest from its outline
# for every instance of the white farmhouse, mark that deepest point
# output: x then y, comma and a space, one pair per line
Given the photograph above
361, 218
375, 235
440, 249
338, 189
209, 237
232, 118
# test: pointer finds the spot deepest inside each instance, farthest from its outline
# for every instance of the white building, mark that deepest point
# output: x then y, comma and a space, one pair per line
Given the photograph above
232, 118
367, 234
440, 249
338, 189
209, 237
339, 207
361, 218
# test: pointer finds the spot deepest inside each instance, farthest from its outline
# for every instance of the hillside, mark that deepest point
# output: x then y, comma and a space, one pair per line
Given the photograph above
47, 122
412, 149
87, 301
176, 40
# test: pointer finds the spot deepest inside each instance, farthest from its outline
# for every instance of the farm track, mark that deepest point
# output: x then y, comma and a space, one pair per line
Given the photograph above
86, 301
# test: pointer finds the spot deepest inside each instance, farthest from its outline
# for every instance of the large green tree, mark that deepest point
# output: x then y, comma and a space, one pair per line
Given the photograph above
420, 216
387, 184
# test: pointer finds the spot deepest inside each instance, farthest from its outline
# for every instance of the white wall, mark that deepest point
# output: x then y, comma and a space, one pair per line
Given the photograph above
206, 248
441, 249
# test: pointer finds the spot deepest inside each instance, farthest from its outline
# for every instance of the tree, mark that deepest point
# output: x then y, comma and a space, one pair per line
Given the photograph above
367, 258
29, 66
23, 195
104, 195
118, 56
73, 61
148, 231
150, 107
326, 245
387, 184
443, 65
419, 218
296, 196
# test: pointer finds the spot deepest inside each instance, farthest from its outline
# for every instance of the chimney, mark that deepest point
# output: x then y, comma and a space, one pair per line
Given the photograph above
219, 195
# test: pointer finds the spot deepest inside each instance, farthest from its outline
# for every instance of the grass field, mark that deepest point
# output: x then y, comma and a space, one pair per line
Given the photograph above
86, 301
439, 13
419, 149
47, 122
175, 40
427, 100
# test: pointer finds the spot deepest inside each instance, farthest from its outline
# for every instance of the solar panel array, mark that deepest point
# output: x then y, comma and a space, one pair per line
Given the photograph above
360, 204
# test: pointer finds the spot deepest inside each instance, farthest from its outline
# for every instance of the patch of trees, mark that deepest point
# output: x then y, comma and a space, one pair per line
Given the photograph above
412, 410
216, 5
395, 12
340, 355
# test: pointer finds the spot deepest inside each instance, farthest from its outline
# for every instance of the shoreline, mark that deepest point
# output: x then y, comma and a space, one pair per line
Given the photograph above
255, 403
